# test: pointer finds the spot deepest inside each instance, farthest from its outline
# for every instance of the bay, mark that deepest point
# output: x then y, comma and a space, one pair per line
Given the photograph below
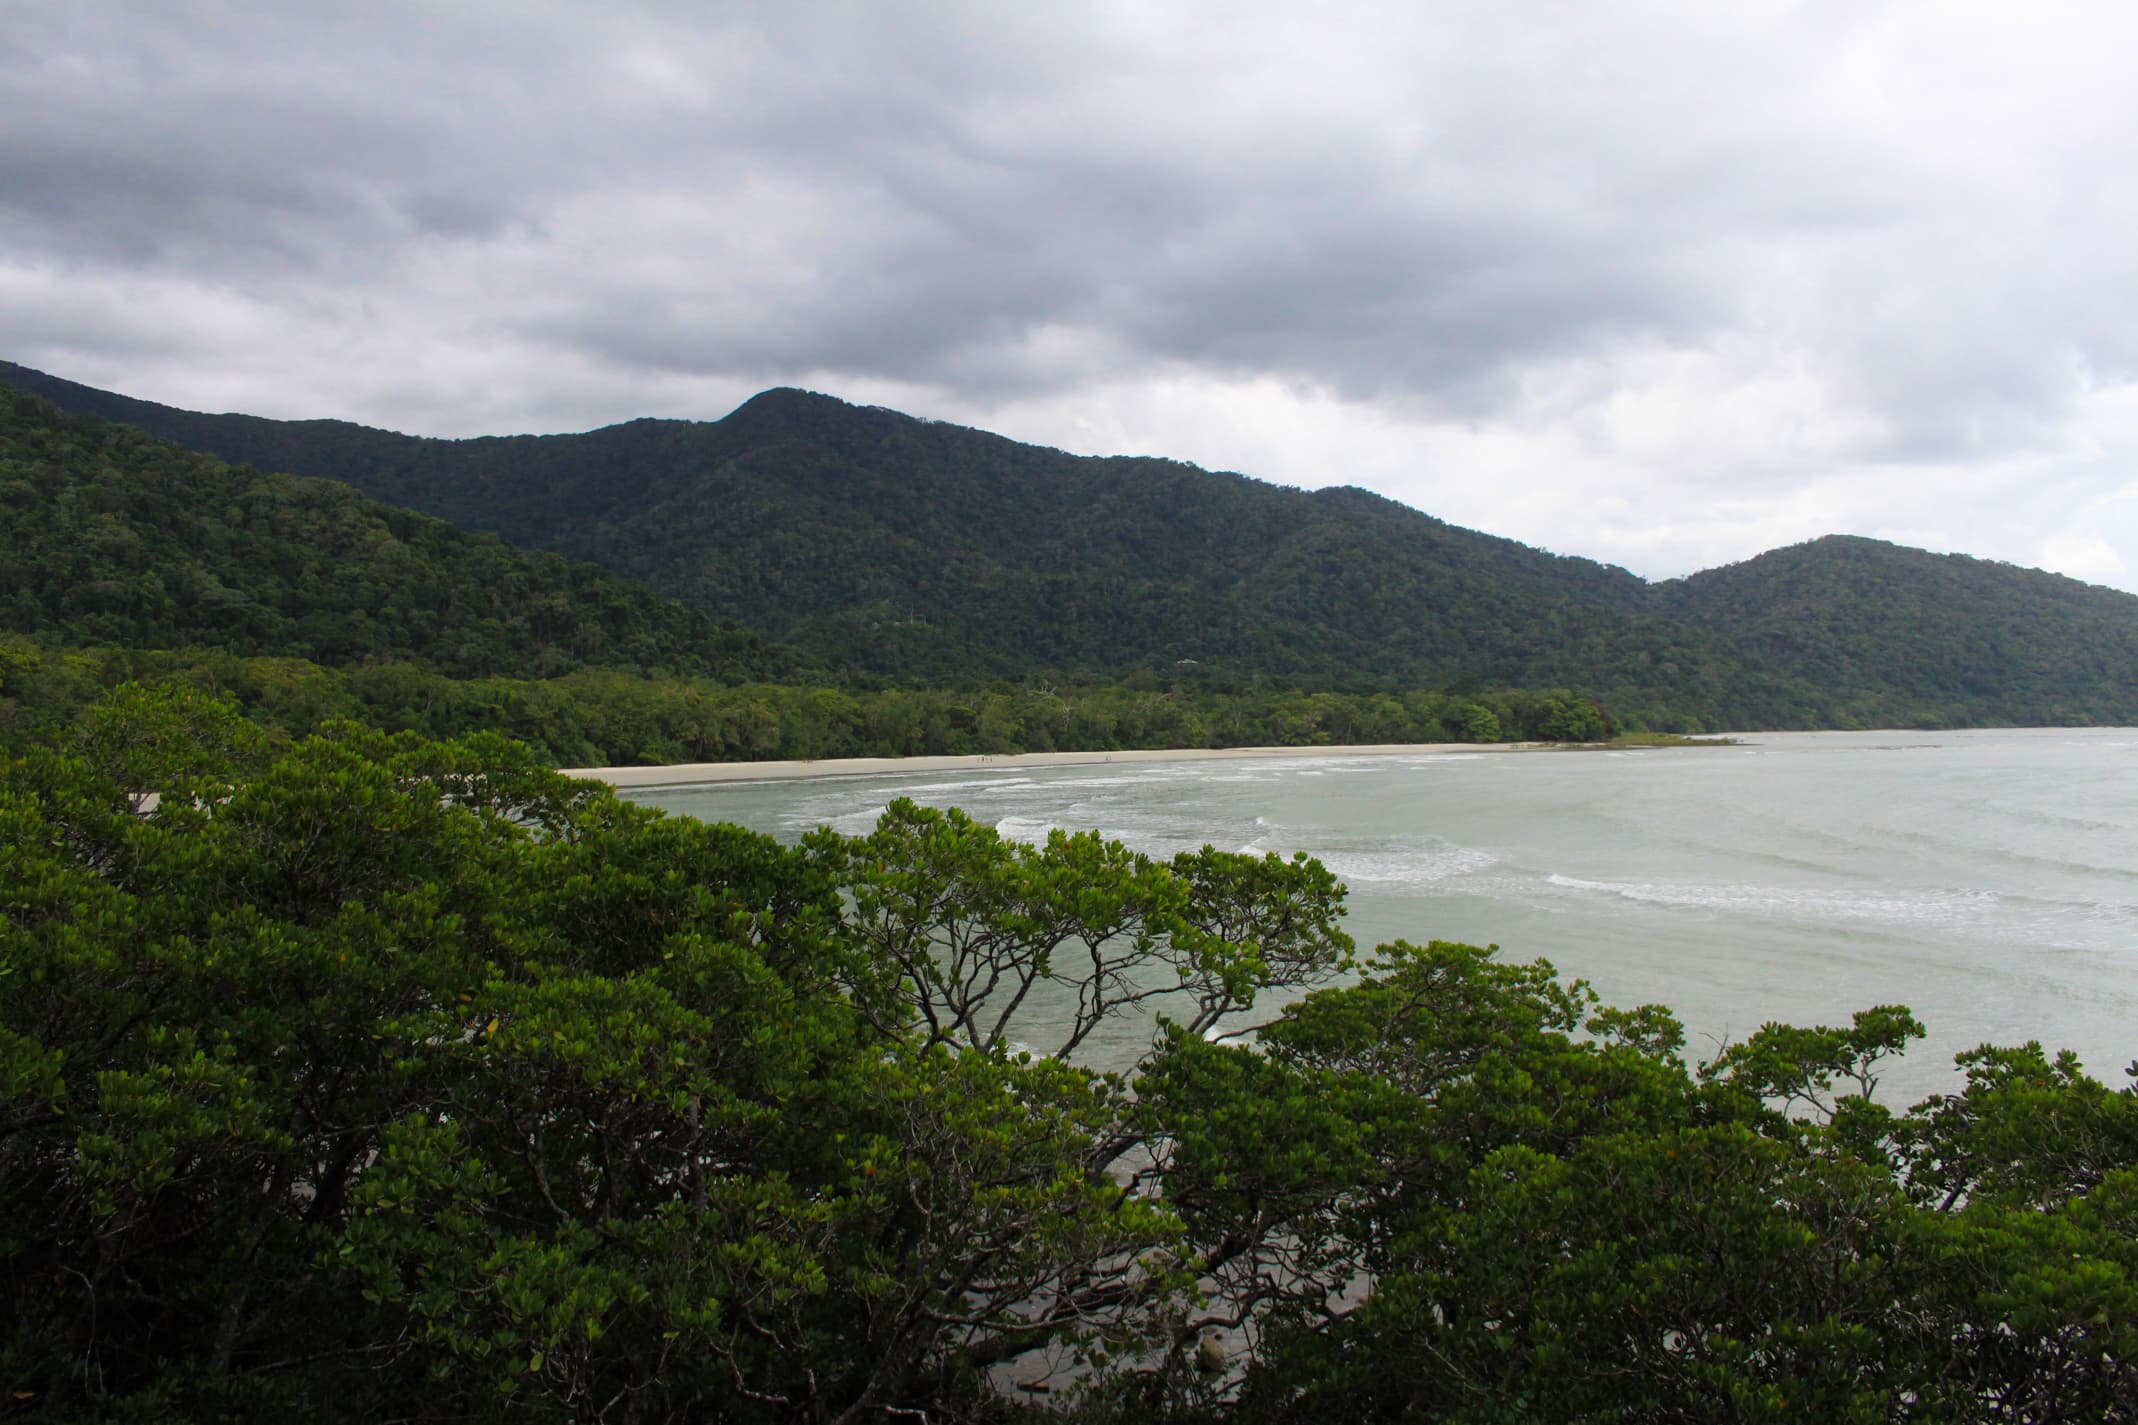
1988, 880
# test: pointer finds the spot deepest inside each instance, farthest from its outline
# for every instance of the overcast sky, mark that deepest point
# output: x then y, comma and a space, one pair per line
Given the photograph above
1663, 284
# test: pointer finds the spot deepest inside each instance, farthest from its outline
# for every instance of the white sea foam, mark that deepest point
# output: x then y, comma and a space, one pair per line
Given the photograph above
857, 823
981, 783
1408, 865
1918, 907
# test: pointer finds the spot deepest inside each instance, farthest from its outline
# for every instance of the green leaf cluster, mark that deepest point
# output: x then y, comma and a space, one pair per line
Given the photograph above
381, 1077
389, 1077
1523, 1206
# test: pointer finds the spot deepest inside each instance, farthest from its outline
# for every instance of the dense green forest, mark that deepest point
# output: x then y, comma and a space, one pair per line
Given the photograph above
1908, 638
600, 717
108, 536
385, 1078
131, 557
895, 549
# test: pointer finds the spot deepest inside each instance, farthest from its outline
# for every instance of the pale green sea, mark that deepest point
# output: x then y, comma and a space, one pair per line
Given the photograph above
1989, 880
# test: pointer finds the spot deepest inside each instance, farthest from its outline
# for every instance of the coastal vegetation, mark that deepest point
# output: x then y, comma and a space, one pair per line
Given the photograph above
368, 1076
600, 717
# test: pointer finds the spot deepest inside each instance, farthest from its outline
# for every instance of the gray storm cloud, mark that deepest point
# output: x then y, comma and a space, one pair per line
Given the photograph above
1759, 271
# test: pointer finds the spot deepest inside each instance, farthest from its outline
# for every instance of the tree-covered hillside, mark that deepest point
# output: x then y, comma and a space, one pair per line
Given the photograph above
1894, 636
128, 557
927, 552
112, 537
918, 552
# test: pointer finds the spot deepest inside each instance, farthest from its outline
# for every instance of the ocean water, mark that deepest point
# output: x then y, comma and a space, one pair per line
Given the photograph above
1988, 880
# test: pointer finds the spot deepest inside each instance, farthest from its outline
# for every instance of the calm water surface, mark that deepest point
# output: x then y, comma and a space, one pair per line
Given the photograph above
1989, 880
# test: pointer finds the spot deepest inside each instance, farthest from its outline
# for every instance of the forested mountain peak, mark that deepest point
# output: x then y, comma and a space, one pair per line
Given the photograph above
780, 402
1917, 635
1837, 563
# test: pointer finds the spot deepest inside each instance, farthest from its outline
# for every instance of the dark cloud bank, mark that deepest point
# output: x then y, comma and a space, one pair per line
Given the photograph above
1661, 284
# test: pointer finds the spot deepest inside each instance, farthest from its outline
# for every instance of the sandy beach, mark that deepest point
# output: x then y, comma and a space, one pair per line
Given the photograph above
688, 774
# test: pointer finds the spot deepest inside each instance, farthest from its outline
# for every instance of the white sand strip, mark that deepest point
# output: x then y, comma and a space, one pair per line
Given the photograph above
702, 773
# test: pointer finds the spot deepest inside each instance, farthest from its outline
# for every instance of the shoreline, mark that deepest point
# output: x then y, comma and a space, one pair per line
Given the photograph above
702, 774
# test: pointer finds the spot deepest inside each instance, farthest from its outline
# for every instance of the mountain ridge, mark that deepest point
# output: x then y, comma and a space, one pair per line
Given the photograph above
920, 551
